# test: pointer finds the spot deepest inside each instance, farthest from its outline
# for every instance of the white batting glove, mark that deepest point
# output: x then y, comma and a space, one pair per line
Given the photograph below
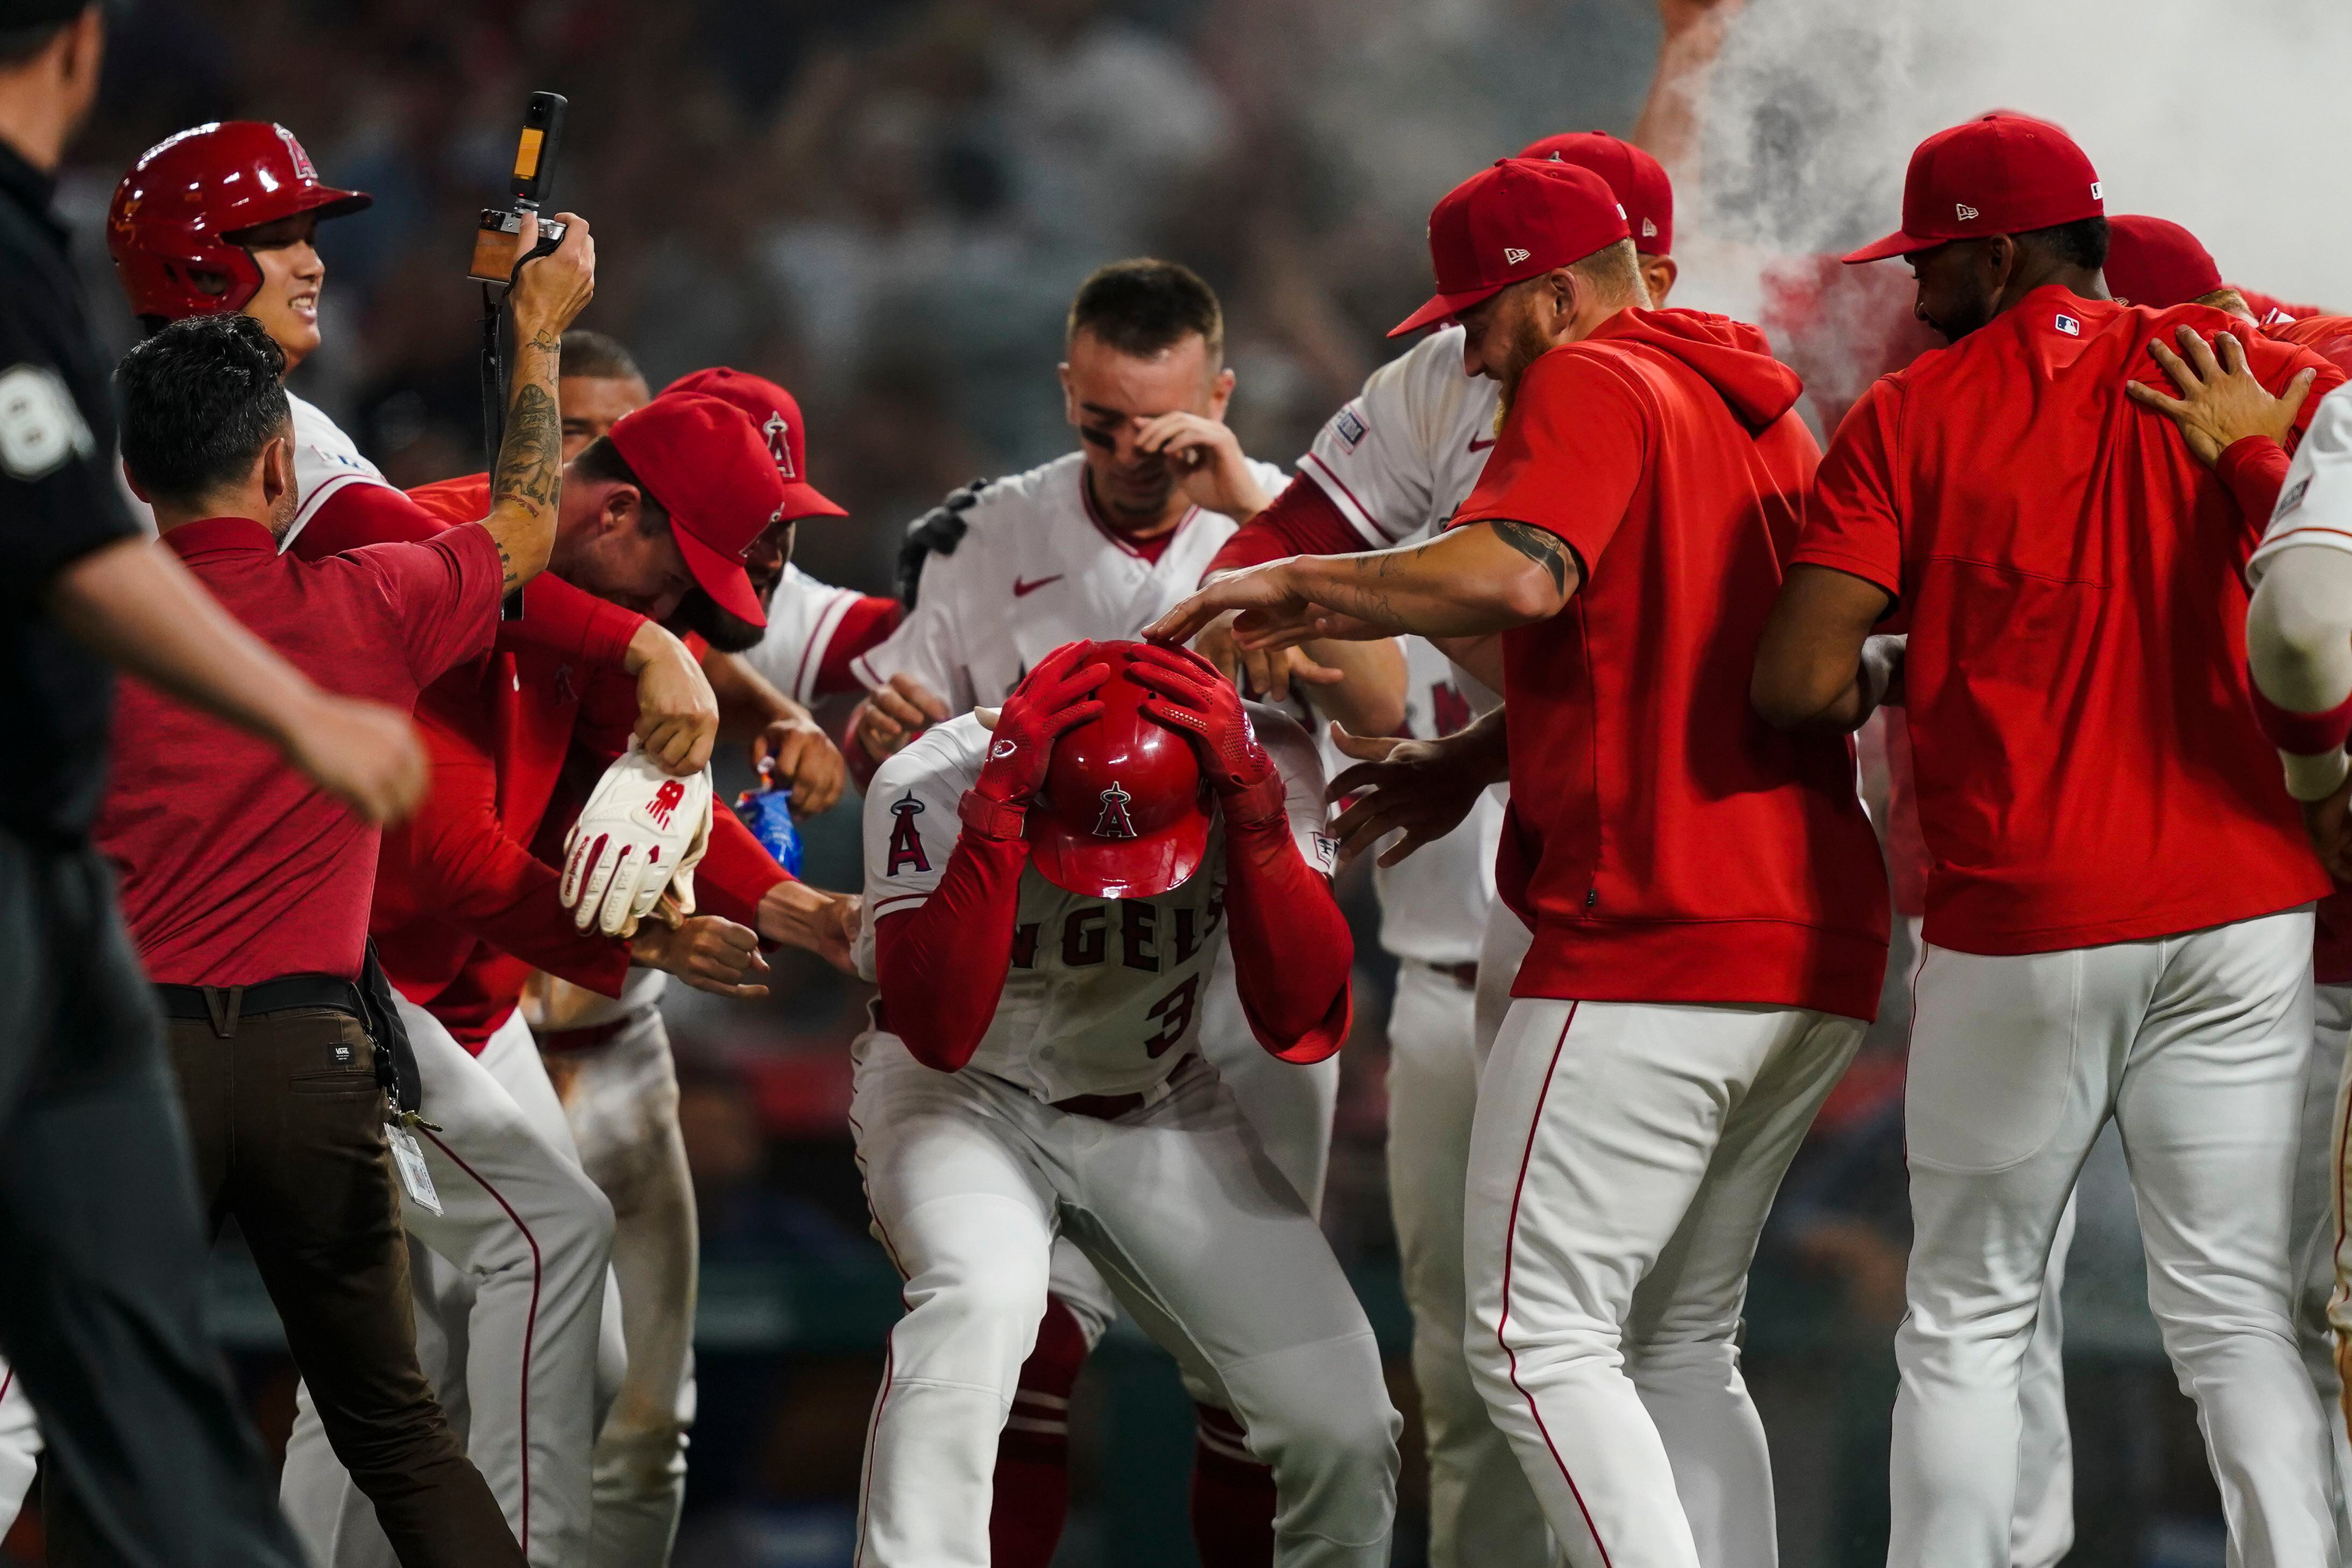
641, 832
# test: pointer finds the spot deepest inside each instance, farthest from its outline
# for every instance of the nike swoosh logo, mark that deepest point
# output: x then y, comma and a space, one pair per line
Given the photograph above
1478, 445
1022, 590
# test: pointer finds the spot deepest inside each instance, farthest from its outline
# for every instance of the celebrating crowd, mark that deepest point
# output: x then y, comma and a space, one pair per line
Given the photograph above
350, 915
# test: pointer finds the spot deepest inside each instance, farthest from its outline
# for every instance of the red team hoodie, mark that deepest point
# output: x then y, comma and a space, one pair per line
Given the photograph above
1667, 844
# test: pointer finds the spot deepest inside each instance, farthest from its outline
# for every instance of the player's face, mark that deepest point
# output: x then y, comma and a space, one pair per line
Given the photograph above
619, 553
1959, 286
292, 276
1111, 396
591, 405
1505, 332
764, 562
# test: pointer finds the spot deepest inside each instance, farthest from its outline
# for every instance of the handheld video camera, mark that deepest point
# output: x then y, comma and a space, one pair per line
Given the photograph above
501, 232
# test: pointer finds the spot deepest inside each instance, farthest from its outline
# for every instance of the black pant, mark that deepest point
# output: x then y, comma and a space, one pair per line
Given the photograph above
101, 1251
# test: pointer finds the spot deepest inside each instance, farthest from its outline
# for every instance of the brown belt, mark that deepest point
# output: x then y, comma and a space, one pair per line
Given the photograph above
1463, 975
1101, 1107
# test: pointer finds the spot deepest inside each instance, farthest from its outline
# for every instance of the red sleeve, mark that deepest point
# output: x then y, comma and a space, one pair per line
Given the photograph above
1854, 522
2255, 471
865, 624
1291, 948
556, 616
735, 873
1569, 455
1302, 520
942, 966
443, 595
458, 862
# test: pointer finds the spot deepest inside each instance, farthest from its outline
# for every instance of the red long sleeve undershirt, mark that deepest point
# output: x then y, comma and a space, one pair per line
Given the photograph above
556, 616
942, 966
1302, 520
1292, 950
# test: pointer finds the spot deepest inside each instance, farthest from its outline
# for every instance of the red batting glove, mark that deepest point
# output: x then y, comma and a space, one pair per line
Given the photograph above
1191, 697
1055, 698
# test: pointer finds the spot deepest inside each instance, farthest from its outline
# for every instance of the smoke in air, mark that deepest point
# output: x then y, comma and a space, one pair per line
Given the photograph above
2225, 118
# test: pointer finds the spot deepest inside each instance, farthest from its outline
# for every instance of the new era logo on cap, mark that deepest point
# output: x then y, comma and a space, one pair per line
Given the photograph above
1966, 212
2099, 190
1512, 255
1649, 229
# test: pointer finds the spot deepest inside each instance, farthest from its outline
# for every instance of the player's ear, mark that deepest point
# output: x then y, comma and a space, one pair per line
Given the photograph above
276, 468
1221, 391
1070, 393
1658, 276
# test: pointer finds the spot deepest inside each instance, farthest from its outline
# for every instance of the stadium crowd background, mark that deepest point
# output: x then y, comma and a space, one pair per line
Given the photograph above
886, 204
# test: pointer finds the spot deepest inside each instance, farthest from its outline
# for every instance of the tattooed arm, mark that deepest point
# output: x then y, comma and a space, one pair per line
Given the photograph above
1487, 577
528, 482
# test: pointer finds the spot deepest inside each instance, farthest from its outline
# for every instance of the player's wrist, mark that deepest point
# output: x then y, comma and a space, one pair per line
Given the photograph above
990, 816
2316, 777
1258, 801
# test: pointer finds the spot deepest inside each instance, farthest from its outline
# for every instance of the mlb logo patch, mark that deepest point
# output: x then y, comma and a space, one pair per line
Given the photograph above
2293, 498
2068, 325
1349, 427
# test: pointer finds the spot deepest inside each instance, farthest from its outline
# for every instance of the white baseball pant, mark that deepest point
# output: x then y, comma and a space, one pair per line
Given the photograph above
1623, 1161
2197, 1045
1209, 1246
620, 1096
1481, 1511
2326, 1105
20, 1448
1289, 1107
523, 1244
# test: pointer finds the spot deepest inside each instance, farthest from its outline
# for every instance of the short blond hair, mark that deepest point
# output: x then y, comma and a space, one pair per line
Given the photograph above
1614, 271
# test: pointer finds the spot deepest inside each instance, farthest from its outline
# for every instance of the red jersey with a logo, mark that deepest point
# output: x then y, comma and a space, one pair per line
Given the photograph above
2086, 757
461, 890
1667, 844
235, 869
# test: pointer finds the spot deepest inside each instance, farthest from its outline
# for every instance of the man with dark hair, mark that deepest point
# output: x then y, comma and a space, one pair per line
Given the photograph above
101, 1253
248, 891
601, 382
1092, 546
2118, 912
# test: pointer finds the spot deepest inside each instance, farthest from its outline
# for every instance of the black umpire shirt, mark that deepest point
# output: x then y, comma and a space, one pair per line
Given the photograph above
58, 501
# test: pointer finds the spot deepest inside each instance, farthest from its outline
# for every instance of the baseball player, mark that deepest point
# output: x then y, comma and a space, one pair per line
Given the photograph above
221, 217
2068, 578
1708, 899
1390, 468
1049, 886
609, 1061
515, 1287
1096, 544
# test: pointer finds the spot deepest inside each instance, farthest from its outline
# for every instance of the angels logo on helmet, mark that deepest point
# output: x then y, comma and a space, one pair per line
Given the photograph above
1114, 822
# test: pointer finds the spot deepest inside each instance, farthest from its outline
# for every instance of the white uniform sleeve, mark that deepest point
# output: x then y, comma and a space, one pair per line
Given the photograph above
927, 645
802, 619
2314, 507
910, 829
1295, 758
326, 461
1387, 459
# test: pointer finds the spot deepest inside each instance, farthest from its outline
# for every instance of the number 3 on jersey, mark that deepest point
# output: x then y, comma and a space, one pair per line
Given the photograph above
1174, 1012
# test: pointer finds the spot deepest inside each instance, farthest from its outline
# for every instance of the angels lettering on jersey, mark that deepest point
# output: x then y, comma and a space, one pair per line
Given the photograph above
1103, 994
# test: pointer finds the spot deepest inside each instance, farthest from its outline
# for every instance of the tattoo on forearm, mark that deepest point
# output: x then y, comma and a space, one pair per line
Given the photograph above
1545, 549
546, 342
530, 459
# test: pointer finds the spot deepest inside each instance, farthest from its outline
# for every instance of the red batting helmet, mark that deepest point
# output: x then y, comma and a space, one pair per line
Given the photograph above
1124, 812
173, 223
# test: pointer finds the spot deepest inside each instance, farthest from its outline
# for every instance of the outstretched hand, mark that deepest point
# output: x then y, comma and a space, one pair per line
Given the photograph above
2221, 402
1417, 788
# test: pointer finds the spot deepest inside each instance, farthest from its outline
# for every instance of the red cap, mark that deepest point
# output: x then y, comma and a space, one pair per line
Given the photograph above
775, 413
2151, 261
178, 211
704, 463
1122, 813
1639, 180
2005, 173
1507, 224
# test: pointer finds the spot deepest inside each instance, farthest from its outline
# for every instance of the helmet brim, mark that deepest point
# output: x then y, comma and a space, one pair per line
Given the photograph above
1142, 867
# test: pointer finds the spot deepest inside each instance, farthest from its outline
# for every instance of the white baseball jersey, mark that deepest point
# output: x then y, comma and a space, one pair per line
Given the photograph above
1104, 996
1037, 569
803, 617
2315, 506
1404, 453
325, 462
1433, 902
